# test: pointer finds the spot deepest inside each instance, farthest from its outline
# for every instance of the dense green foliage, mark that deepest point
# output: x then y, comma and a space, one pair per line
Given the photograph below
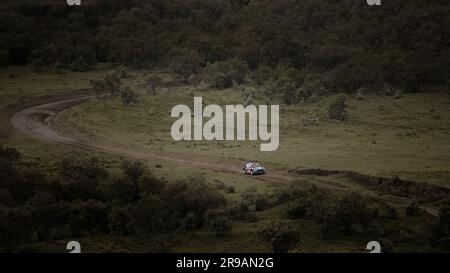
339, 46
84, 199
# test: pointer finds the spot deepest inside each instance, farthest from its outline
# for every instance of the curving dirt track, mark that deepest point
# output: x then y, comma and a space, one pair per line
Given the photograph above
37, 121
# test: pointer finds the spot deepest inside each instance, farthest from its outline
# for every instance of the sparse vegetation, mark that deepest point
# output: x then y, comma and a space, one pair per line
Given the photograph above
337, 108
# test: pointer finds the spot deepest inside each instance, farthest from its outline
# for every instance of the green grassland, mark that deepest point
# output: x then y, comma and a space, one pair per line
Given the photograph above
382, 136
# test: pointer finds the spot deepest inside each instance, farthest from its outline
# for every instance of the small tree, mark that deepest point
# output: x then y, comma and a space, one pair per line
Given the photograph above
281, 235
336, 108
98, 88
185, 62
413, 209
15, 229
112, 85
129, 96
152, 83
79, 65
120, 221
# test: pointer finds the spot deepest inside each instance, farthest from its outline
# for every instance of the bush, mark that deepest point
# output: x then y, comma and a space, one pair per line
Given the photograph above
360, 94
221, 225
4, 58
223, 75
281, 235
129, 96
336, 108
119, 220
79, 65
112, 84
262, 75
98, 88
185, 62
191, 195
441, 230
392, 213
301, 208
342, 215
230, 188
149, 214
74, 168
15, 228
88, 218
413, 209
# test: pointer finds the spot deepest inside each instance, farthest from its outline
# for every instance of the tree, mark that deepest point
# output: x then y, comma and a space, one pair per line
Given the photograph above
133, 171
185, 62
15, 228
88, 218
191, 195
119, 220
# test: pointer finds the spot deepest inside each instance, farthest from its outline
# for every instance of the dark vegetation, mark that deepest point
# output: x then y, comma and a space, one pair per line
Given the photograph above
292, 50
83, 199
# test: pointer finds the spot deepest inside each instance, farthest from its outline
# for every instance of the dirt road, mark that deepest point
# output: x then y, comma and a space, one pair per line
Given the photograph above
37, 121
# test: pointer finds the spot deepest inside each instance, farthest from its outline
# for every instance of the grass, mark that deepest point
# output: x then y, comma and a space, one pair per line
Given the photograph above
383, 136
407, 137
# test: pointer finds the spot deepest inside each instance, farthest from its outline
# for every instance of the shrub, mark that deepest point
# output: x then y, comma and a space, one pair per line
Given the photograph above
314, 84
15, 228
413, 209
98, 88
88, 218
441, 230
149, 214
398, 93
129, 96
6, 199
4, 58
74, 168
392, 213
388, 90
221, 225
185, 62
360, 93
223, 75
230, 188
262, 75
280, 234
79, 65
112, 84
336, 108
119, 220
191, 195
242, 212
301, 208
219, 222
342, 215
